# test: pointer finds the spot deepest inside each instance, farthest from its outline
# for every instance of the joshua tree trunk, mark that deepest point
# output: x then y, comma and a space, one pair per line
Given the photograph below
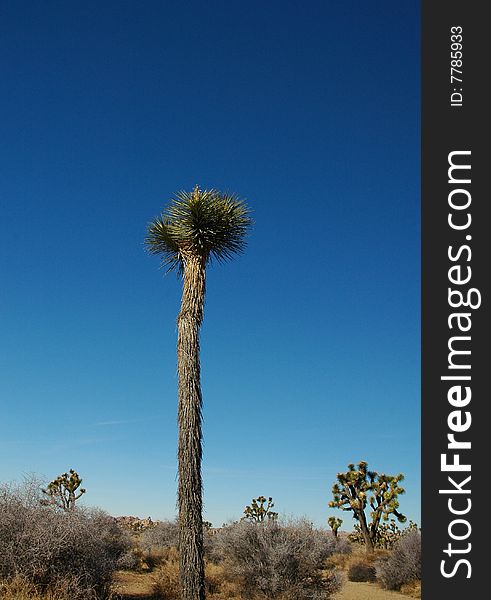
366, 532
191, 565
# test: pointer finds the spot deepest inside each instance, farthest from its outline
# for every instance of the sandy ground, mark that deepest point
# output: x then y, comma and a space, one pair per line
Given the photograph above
134, 586
366, 591
131, 585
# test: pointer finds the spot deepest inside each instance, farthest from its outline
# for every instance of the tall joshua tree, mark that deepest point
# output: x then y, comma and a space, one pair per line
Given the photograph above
195, 228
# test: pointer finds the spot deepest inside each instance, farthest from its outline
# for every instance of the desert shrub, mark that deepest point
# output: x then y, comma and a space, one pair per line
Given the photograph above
338, 561
342, 545
131, 560
164, 534
362, 571
218, 586
277, 560
403, 565
47, 547
19, 588
151, 559
412, 589
158, 542
166, 578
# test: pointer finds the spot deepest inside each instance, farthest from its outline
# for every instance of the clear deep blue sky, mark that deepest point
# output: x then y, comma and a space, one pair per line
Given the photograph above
311, 345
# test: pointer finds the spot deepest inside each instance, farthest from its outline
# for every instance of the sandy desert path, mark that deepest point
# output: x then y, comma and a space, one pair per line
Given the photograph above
366, 591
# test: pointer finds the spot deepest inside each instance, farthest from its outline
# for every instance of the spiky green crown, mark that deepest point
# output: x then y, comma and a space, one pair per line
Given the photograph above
203, 223
358, 487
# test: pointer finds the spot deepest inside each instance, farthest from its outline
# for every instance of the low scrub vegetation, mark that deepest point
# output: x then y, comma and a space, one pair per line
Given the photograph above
51, 551
166, 577
163, 534
403, 564
218, 586
54, 553
252, 560
277, 560
362, 571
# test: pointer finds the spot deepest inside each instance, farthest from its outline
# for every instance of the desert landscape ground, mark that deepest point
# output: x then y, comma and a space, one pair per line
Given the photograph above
51, 548
134, 586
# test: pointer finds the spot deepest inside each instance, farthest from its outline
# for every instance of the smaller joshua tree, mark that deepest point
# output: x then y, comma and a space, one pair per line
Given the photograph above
260, 510
357, 489
334, 523
64, 491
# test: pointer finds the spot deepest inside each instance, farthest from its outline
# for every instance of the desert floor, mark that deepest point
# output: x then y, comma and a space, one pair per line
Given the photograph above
366, 591
134, 586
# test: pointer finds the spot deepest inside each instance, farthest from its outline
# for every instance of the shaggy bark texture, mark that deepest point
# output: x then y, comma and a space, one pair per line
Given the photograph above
191, 565
369, 545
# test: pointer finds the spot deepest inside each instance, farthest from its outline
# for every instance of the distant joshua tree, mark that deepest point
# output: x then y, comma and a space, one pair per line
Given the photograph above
195, 228
334, 523
357, 489
259, 510
62, 491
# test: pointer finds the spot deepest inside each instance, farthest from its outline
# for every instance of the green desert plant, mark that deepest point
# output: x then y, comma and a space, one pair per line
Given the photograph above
64, 491
358, 489
195, 228
260, 510
334, 523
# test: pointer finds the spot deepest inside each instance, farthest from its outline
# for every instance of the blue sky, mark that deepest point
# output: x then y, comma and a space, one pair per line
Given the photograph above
310, 345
